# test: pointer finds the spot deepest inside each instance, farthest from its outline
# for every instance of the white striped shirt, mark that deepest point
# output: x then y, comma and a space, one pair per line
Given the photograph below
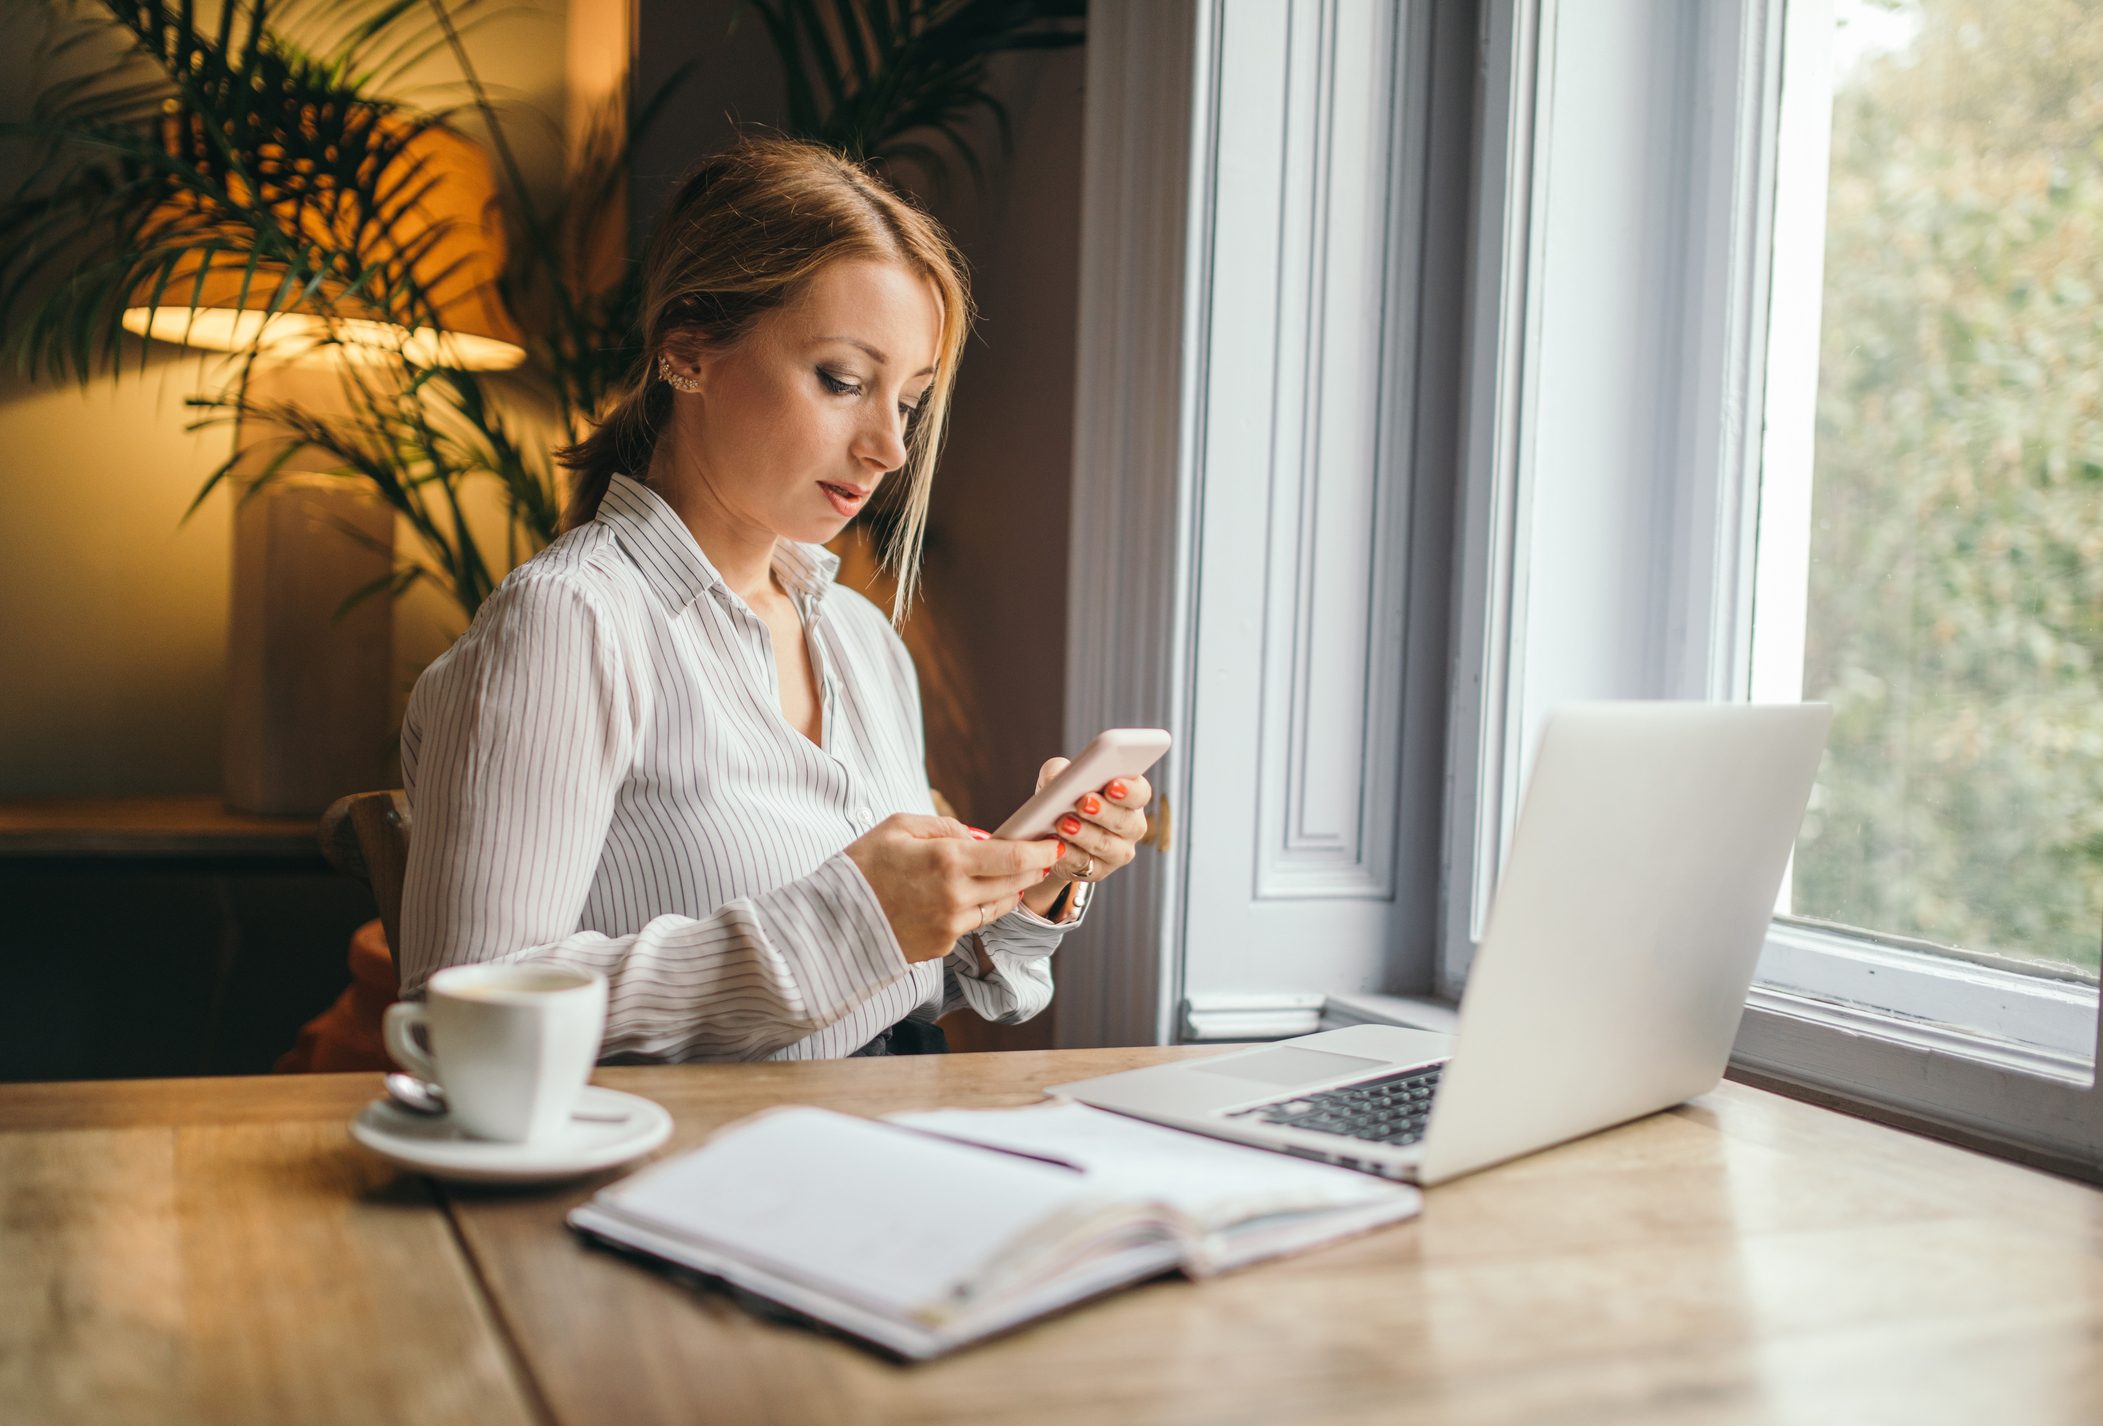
600, 775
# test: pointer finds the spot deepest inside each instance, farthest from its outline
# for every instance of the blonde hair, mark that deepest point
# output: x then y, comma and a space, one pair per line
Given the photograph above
744, 233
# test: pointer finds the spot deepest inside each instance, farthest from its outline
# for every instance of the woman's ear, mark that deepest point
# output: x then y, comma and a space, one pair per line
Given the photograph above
683, 361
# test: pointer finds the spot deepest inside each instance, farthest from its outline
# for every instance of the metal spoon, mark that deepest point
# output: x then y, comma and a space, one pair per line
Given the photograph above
420, 1096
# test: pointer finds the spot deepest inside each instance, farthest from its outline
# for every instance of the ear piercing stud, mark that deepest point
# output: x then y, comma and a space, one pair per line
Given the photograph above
676, 381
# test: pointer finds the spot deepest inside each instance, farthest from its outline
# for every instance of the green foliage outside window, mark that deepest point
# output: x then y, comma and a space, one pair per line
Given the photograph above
1956, 598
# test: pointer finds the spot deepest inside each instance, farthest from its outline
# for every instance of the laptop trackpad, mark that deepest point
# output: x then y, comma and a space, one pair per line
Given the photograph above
1284, 1066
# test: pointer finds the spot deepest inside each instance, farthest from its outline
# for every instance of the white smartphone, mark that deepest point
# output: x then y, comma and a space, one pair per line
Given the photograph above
1114, 752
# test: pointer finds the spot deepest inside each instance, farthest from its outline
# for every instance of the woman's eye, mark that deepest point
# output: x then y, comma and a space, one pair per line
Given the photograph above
908, 410
836, 385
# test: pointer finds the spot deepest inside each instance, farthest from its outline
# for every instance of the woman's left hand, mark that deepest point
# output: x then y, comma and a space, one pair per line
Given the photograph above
1103, 830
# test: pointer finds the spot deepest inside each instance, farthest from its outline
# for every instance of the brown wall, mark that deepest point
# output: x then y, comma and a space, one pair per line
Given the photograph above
999, 581
995, 572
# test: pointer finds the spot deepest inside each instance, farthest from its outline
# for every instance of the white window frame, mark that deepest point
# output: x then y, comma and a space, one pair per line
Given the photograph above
1976, 1049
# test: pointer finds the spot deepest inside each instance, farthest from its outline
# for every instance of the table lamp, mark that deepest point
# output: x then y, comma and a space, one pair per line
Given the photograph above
309, 688
429, 210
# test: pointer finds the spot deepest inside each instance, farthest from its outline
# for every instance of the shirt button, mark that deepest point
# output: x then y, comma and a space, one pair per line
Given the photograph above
862, 817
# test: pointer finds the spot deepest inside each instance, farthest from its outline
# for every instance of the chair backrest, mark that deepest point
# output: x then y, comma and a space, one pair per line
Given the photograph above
366, 835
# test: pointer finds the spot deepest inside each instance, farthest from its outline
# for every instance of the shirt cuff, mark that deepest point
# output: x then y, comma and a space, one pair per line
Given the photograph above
1022, 932
833, 936
1017, 988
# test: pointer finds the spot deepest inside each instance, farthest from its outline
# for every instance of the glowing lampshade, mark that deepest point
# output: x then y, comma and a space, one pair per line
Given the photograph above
435, 223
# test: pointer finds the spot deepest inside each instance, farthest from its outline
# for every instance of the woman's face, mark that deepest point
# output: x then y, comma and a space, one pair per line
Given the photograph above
796, 425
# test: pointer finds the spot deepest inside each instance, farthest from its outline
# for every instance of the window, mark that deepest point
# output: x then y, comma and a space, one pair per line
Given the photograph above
1639, 490
1785, 382
1930, 555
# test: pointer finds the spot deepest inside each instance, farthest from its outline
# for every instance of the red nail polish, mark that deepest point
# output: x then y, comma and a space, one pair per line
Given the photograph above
1069, 826
1062, 850
1043, 874
1090, 805
1117, 789
980, 834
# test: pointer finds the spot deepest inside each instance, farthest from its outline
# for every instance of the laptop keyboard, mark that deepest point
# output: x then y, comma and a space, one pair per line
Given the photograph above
1390, 1110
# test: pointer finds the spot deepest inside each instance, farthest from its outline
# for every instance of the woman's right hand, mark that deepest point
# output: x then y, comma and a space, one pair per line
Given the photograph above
938, 880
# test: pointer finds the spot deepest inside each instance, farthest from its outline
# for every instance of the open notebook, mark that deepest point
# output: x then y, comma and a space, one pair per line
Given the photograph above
927, 1231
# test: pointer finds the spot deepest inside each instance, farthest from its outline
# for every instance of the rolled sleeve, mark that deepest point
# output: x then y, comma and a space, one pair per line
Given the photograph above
1019, 945
1024, 934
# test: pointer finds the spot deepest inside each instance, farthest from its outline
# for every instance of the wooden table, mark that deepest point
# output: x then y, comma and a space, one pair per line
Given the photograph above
217, 1251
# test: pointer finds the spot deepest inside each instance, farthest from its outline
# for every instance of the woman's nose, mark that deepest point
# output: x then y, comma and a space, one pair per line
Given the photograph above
882, 442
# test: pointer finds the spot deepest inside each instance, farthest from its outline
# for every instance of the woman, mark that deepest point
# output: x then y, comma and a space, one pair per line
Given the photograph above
670, 749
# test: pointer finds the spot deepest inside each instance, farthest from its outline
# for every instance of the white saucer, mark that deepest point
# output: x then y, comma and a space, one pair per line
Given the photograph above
433, 1144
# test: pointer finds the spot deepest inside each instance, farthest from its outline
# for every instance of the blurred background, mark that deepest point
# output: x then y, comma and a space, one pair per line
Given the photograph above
179, 661
1954, 616
168, 903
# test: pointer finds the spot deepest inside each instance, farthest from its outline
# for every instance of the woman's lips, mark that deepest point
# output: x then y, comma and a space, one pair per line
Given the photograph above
844, 498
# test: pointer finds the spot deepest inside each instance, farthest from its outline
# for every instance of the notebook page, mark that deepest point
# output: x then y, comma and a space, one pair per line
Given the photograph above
1214, 1183
855, 1207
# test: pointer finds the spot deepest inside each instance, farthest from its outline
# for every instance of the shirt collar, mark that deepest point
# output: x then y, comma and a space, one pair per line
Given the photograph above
805, 569
672, 561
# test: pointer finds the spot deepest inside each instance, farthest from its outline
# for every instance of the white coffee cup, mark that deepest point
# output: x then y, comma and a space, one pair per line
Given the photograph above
512, 1045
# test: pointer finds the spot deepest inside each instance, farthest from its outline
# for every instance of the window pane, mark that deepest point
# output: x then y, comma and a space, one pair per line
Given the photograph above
1954, 613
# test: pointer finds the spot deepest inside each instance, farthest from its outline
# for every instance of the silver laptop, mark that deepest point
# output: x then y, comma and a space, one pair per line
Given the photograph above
1620, 946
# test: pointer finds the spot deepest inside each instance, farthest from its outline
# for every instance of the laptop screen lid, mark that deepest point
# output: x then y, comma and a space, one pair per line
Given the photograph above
1627, 923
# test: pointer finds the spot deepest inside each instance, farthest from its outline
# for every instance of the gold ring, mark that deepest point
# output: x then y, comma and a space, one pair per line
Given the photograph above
985, 914
1086, 873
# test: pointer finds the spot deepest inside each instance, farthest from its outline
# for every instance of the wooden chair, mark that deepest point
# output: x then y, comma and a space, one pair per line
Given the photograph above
366, 836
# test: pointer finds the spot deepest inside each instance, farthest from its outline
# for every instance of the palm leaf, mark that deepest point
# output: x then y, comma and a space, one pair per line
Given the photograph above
894, 80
